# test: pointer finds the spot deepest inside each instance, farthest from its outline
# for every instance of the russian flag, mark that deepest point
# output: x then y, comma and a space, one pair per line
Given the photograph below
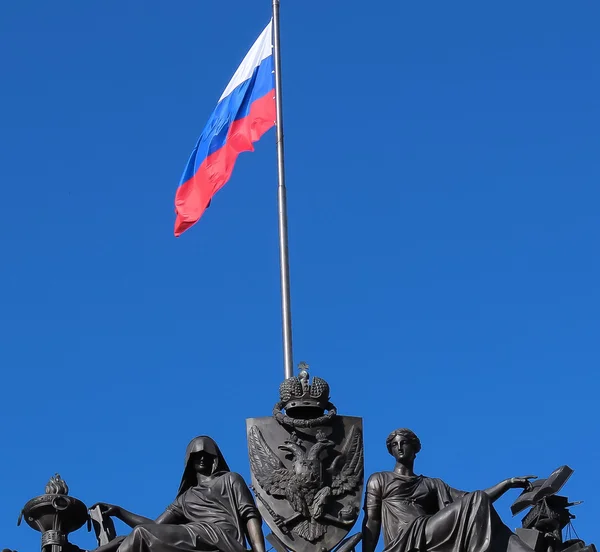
245, 111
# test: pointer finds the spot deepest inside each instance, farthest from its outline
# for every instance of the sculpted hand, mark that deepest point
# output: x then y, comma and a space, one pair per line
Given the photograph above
521, 482
108, 509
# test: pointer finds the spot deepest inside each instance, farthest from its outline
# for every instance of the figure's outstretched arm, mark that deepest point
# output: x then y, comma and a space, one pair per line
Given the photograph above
168, 516
125, 516
131, 519
255, 534
498, 490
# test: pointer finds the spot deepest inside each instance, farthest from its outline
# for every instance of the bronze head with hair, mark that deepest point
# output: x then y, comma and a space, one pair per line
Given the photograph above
403, 444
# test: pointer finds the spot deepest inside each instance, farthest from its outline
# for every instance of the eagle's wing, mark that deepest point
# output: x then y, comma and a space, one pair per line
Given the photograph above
349, 465
269, 471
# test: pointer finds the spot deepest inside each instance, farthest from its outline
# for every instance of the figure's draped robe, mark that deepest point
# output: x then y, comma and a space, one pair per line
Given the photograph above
211, 515
424, 514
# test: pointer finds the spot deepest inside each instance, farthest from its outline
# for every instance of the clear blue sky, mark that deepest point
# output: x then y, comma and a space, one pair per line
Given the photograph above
443, 176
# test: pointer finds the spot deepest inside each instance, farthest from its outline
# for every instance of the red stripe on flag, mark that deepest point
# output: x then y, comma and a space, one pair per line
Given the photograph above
194, 195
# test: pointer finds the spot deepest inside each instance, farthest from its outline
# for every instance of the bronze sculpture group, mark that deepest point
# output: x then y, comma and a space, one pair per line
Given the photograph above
307, 476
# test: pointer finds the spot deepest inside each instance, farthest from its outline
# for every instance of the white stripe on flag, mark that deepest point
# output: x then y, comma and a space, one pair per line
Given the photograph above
260, 50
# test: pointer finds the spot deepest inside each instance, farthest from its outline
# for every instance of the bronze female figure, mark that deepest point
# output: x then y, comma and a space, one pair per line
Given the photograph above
425, 514
213, 511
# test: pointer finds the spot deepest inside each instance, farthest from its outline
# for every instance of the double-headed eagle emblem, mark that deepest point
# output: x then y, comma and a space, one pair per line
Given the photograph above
308, 486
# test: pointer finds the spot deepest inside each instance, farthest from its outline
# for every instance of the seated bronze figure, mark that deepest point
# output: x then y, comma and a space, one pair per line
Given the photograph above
213, 511
425, 514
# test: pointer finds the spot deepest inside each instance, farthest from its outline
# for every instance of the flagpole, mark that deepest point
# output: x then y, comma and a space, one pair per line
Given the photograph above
284, 265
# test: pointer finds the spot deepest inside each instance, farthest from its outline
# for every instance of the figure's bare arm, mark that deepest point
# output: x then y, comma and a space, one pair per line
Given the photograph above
131, 519
168, 516
124, 515
498, 490
371, 529
255, 534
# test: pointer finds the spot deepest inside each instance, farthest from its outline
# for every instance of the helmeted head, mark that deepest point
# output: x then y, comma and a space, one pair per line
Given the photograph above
201, 456
403, 444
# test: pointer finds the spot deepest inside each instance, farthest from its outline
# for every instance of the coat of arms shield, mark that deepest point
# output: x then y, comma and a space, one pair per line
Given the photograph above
308, 481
